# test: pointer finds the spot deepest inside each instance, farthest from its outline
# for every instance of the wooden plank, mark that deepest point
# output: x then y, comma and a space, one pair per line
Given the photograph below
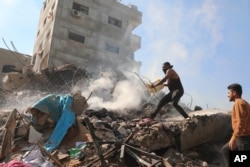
9, 133
144, 152
137, 158
122, 152
57, 162
97, 146
113, 150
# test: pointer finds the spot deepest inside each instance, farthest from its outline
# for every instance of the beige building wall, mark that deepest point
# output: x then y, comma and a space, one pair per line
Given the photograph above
86, 33
12, 58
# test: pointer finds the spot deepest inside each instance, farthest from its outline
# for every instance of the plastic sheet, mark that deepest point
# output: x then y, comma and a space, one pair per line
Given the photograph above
59, 110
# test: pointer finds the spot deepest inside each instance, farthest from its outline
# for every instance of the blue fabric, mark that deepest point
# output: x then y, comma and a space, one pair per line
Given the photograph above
52, 105
59, 109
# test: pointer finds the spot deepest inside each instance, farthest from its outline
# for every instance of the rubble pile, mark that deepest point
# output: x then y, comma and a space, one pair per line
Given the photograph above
105, 138
60, 79
101, 136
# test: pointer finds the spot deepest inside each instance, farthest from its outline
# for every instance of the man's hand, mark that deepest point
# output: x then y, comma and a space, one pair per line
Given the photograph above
232, 144
151, 86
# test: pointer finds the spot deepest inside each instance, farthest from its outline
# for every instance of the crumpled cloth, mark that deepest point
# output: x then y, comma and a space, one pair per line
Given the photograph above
59, 110
15, 163
35, 158
52, 105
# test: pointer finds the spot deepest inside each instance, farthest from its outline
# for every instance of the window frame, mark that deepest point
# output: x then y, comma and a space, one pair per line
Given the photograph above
112, 48
81, 8
115, 21
76, 37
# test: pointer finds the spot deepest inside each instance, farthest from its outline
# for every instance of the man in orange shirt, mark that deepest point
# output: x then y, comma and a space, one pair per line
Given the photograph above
240, 118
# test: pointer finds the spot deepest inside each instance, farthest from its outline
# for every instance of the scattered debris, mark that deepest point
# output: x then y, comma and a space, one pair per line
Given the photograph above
158, 143
60, 78
101, 136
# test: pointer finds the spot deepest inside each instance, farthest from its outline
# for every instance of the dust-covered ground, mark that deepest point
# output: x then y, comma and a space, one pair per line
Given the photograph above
205, 154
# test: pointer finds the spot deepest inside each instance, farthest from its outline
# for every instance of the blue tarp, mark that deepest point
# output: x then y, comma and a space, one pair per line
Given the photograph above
58, 107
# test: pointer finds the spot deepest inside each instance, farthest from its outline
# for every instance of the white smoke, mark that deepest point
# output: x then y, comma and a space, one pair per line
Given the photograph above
113, 94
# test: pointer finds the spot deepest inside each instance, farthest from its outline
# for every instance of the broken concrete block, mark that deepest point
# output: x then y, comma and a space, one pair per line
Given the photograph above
122, 131
14, 80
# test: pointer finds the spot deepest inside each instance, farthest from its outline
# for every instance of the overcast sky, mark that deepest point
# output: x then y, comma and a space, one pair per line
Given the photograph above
207, 41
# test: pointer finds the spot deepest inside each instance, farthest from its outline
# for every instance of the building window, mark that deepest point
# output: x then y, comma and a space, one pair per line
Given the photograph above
76, 37
112, 49
81, 8
53, 6
115, 21
44, 22
44, 5
48, 34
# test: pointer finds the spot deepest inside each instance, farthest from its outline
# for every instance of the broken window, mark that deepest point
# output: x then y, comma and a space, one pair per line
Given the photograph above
112, 49
76, 37
9, 68
44, 5
44, 22
53, 6
80, 8
48, 34
115, 21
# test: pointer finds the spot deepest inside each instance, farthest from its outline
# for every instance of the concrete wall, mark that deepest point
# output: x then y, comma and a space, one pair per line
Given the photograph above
12, 58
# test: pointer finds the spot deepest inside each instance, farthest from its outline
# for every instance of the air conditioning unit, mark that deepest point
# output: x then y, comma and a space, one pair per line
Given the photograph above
75, 13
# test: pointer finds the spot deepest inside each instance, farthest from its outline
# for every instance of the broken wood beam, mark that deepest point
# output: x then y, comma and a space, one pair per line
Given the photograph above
122, 152
144, 152
97, 146
131, 136
112, 151
96, 159
57, 162
9, 133
157, 162
137, 158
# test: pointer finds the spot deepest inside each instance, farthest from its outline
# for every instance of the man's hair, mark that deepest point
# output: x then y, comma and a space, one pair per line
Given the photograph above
168, 64
236, 87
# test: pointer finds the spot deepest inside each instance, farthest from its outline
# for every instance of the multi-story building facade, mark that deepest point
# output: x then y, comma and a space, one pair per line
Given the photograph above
86, 33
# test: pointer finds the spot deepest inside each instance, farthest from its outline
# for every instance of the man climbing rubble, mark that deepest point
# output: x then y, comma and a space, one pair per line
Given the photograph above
175, 90
60, 109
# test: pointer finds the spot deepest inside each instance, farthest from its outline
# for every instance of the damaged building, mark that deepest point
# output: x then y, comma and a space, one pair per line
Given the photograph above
87, 34
12, 61
94, 39
80, 39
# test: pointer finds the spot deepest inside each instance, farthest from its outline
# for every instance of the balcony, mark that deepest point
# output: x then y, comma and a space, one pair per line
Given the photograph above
135, 42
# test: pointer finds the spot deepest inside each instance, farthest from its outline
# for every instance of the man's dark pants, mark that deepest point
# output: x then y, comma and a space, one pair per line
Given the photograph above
242, 143
172, 96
